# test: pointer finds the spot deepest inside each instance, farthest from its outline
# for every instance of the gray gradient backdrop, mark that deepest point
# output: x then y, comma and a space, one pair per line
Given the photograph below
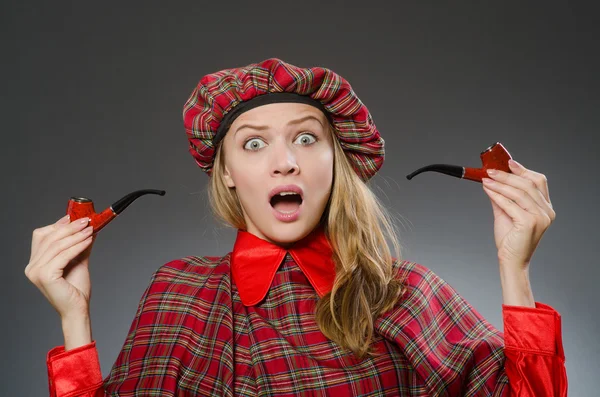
92, 95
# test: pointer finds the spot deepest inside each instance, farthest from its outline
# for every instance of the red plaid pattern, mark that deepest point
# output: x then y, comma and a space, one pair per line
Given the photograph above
217, 93
192, 336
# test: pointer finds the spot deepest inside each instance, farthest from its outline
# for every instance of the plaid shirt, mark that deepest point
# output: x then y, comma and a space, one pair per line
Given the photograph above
243, 325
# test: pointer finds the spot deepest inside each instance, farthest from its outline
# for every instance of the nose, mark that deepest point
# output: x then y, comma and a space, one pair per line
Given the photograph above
283, 160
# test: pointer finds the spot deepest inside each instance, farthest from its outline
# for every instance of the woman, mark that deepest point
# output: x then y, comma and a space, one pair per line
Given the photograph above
310, 301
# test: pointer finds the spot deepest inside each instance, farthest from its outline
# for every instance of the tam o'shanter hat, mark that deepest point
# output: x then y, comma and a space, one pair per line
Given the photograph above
222, 96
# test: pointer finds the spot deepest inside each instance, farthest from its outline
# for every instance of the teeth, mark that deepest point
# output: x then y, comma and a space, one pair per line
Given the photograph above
286, 193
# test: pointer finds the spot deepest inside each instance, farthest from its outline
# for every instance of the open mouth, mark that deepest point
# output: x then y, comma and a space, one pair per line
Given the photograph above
286, 202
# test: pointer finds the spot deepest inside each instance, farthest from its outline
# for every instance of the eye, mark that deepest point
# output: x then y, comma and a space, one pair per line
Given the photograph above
253, 144
306, 138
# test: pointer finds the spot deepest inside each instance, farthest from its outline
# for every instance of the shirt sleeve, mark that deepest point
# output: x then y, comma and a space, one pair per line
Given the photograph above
454, 351
535, 358
74, 373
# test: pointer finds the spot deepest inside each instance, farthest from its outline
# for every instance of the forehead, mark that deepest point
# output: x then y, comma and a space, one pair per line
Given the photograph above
278, 113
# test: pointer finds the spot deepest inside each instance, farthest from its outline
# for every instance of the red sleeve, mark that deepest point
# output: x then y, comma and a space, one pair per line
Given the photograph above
74, 373
535, 359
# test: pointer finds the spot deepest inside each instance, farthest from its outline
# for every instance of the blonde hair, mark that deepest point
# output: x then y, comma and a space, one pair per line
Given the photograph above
356, 224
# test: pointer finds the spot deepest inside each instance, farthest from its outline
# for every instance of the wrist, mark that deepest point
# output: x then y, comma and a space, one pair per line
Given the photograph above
513, 270
77, 331
516, 287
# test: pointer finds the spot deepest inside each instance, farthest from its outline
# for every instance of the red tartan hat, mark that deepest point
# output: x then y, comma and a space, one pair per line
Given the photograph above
209, 111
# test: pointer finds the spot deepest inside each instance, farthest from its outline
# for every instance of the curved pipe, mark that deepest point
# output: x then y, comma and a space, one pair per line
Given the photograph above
494, 157
81, 207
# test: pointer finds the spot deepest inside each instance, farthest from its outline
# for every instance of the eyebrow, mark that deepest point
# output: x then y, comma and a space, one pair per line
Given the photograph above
292, 122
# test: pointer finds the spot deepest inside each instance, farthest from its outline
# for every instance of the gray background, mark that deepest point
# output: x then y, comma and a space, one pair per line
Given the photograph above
92, 95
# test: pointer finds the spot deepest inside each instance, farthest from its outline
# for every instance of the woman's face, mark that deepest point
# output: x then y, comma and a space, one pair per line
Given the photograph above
285, 146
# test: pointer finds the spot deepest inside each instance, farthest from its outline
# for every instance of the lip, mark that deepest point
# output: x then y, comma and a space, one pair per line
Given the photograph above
286, 188
287, 217
293, 215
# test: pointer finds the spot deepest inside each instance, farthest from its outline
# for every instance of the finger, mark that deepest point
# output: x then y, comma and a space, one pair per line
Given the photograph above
55, 262
41, 232
48, 262
497, 211
53, 239
43, 278
522, 184
539, 179
514, 211
521, 197
85, 253
56, 266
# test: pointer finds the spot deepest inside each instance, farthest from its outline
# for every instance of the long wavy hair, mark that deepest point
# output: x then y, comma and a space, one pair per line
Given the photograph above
356, 224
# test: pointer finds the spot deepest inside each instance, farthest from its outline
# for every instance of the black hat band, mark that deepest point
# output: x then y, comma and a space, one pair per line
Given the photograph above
265, 99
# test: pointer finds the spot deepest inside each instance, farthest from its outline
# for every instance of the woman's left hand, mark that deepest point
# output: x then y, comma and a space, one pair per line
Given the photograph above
522, 213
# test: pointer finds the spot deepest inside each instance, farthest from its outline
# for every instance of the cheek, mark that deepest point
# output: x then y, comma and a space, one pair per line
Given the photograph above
246, 178
320, 168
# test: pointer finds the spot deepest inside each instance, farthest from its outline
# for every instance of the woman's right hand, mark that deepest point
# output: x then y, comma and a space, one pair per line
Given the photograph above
58, 265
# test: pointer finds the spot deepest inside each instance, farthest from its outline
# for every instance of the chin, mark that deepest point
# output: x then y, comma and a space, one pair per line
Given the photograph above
284, 233
287, 233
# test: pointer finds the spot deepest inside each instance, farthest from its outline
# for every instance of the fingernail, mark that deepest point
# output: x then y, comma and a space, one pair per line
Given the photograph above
513, 163
64, 219
492, 172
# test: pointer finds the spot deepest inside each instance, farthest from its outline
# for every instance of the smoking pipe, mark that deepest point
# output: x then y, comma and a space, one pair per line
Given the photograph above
81, 207
494, 157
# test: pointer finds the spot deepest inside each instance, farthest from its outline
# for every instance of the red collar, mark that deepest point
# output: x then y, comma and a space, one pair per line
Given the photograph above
255, 262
